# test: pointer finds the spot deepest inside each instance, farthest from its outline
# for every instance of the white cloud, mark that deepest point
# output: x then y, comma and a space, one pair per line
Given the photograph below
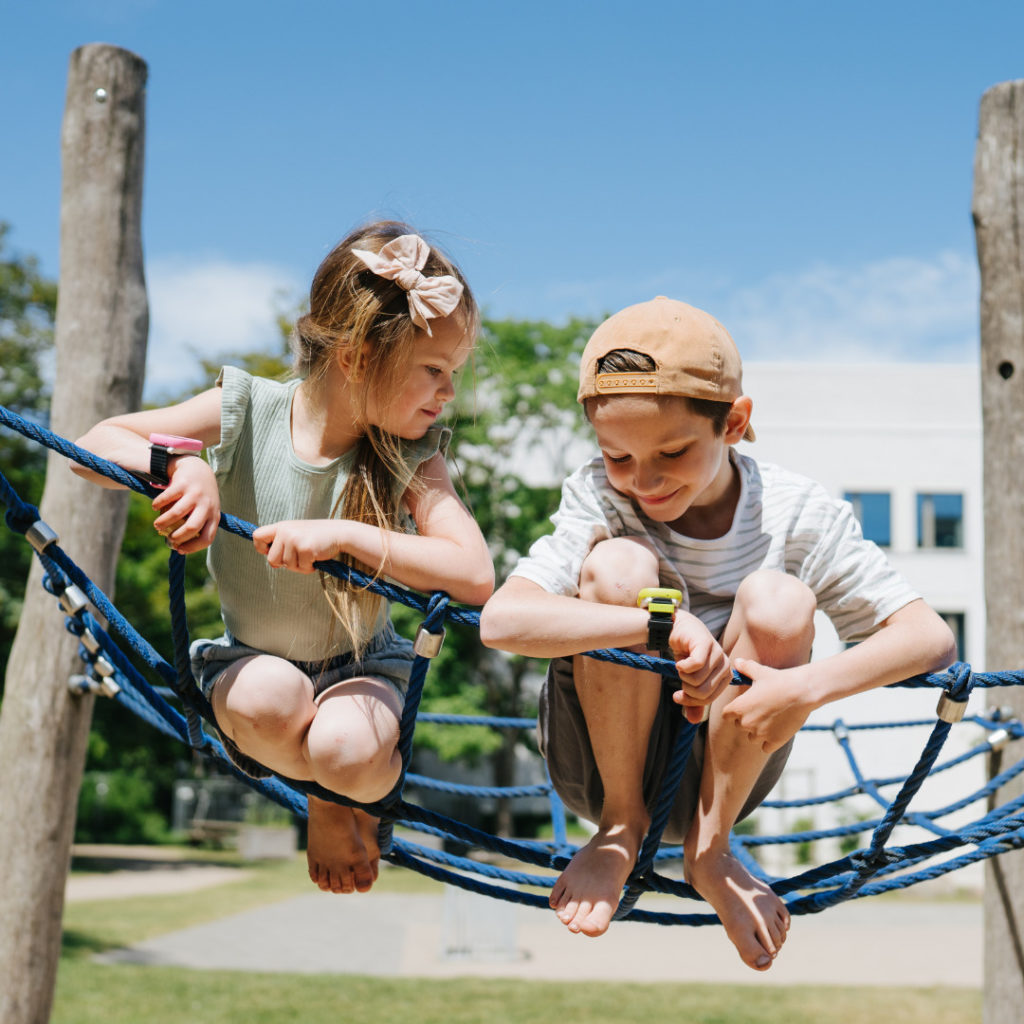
201, 308
897, 309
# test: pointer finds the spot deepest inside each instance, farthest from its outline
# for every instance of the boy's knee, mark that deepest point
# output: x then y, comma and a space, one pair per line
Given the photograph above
776, 607
617, 570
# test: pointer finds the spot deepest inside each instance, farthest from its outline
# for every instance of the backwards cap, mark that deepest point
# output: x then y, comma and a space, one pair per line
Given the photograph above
693, 355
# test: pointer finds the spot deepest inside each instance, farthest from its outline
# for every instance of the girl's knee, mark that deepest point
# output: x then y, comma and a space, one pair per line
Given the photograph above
351, 747
355, 763
616, 570
266, 694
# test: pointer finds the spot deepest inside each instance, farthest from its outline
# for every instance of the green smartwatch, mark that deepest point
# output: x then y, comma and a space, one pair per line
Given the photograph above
661, 604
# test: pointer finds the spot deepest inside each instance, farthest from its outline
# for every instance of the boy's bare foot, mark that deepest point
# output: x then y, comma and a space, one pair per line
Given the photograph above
587, 893
754, 918
341, 850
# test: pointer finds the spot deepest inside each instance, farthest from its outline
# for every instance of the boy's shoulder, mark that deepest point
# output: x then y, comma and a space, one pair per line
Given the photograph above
771, 478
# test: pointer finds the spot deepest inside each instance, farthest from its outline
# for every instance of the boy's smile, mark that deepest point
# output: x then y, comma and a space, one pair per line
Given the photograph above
668, 460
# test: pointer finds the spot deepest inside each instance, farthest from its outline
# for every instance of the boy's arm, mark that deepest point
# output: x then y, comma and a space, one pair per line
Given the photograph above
912, 641
524, 618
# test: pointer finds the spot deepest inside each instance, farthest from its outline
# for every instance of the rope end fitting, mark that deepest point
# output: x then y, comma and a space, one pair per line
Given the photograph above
41, 535
72, 599
998, 739
949, 710
101, 682
427, 644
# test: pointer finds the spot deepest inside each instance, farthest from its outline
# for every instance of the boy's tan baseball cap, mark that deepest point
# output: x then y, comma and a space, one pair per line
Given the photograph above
693, 353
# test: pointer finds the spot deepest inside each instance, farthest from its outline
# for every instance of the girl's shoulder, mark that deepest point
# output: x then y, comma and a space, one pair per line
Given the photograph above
420, 450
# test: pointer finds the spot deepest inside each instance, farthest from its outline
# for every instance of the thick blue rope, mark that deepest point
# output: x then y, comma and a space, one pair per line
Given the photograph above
996, 832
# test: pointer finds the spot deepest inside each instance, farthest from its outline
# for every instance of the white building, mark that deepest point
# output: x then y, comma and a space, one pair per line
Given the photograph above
904, 444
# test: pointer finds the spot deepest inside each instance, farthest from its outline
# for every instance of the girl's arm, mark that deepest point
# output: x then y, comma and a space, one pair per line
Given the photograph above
125, 439
448, 553
912, 641
190, 505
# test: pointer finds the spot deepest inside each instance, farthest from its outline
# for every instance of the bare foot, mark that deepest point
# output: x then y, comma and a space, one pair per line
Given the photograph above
755, 919
587, 893
341, 850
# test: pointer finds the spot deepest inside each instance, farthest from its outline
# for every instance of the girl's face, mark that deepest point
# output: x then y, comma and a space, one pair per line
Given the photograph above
430, 383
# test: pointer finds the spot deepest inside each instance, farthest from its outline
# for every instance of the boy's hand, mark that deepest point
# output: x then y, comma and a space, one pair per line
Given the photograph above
189, 507
774, 708
297, 543
703, 667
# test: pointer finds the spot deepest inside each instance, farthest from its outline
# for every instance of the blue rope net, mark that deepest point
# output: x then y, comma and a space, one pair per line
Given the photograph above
116, 657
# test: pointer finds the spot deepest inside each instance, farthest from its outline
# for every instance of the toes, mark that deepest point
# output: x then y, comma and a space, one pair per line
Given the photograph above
567, 913
558, 896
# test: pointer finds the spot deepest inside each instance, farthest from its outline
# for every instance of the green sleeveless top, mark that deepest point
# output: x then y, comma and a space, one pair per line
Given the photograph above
263, 481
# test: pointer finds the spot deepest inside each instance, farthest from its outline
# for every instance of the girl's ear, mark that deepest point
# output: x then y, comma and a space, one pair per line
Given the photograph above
738, 420
352, 362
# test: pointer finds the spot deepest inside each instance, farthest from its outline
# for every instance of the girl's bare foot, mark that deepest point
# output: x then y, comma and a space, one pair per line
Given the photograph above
754, 918
586, 894
341, 851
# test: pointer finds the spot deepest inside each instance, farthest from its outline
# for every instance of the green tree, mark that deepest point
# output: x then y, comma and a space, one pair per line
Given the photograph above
28, 303
513, 432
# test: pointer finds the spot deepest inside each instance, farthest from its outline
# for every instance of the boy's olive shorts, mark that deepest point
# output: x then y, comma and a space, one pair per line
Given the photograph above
564, 742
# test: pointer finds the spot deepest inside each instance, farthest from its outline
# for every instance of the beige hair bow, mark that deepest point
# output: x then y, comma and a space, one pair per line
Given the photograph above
402, 261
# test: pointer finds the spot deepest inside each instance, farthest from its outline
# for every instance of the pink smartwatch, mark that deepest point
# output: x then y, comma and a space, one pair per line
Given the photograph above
161, 448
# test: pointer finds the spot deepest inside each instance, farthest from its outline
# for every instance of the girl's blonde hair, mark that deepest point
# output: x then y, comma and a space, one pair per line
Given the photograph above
356, 313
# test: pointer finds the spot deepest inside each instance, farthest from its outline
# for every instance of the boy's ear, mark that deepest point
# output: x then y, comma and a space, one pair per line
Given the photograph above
738, 419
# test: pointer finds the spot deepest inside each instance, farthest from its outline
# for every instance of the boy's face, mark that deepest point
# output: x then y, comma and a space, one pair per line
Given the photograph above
662, 455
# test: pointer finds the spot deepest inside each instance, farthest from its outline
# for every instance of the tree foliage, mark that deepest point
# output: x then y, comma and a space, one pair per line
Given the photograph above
28, 305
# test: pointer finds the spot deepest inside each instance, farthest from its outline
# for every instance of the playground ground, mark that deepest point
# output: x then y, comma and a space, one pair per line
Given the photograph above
905, 940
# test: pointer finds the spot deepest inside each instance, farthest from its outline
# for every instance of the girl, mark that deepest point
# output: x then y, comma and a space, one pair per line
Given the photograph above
344, 461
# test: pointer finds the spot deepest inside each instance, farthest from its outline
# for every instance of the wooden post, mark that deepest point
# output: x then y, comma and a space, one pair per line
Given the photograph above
998, 214
101, 327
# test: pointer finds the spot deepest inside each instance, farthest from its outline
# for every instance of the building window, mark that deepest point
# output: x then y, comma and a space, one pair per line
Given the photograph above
872, 509
956, 622
940, 520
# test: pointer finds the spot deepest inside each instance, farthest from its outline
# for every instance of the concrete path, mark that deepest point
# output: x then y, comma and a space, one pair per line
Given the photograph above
881, 941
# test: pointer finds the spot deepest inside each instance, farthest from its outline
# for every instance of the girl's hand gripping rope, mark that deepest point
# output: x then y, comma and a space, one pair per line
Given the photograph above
189, 507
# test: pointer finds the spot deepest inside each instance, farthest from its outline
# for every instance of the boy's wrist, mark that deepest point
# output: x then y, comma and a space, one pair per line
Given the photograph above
660, 604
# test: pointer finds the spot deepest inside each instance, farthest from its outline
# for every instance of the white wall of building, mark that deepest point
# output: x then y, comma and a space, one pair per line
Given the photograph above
906, 430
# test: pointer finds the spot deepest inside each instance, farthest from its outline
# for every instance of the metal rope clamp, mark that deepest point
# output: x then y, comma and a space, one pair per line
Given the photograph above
72, 599
41, 535
998, 739
949, 710
427, 644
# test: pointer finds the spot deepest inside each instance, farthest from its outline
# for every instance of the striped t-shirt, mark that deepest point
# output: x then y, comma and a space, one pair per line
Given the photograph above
783, 521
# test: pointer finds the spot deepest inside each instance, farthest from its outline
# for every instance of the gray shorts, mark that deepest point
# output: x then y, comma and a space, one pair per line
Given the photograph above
565, 743
388, 657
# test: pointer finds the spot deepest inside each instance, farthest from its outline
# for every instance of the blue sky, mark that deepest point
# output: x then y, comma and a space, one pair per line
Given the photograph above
802, 170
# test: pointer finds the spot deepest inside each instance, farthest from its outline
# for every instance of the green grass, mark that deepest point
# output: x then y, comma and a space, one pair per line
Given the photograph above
91, 993
94, 994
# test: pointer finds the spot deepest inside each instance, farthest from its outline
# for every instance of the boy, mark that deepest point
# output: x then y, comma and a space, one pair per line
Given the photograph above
751, 551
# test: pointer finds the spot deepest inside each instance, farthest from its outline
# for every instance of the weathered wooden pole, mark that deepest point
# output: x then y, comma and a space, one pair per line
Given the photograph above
998, 215
101, 328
